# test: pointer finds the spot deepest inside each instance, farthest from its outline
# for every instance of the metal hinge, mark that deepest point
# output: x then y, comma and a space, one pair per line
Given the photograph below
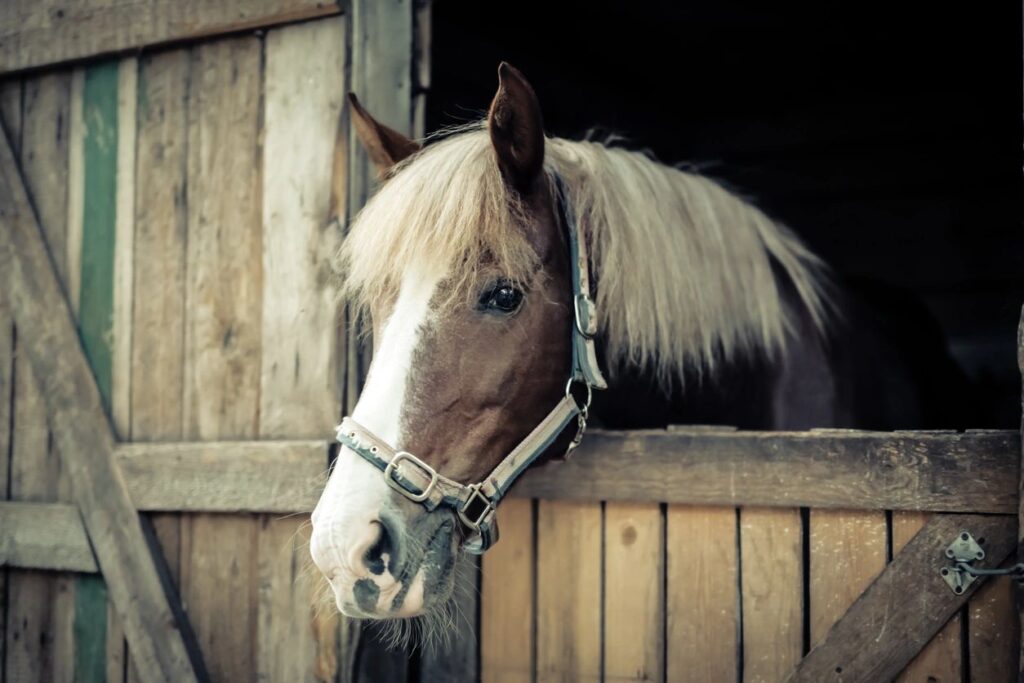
963, 551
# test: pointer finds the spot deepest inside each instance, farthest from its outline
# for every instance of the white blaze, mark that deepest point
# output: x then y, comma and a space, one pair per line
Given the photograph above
356, 491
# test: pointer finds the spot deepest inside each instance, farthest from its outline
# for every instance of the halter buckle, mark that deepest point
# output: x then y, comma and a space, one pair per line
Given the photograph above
471, 518
393, 482
586, 315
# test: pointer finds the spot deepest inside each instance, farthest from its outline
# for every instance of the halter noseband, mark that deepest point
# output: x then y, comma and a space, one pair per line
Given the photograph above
476, 504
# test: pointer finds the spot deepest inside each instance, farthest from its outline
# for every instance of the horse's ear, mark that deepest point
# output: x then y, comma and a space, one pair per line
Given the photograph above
517, 129
386, 146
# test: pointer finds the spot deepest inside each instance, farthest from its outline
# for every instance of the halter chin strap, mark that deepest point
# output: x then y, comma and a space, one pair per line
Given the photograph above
476, 504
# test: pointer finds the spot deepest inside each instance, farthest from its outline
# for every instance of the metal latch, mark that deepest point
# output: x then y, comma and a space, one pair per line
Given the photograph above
963, 551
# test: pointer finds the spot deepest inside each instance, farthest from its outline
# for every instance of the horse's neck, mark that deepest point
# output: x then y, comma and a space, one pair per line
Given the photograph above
795, 391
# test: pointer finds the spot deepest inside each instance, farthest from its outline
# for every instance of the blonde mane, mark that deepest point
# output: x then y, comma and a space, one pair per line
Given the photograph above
684, 269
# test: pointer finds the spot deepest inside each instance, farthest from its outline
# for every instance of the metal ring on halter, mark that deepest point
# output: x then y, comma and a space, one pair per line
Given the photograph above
588, 329
590, 394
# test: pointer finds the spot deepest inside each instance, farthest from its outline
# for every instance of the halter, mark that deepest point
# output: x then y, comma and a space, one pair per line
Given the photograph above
476, 504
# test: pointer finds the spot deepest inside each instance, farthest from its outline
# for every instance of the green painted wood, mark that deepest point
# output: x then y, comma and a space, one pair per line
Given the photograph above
90, 629
96, 319
96, 298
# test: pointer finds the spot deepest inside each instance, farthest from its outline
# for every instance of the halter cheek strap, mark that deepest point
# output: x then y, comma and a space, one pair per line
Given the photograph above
476, 504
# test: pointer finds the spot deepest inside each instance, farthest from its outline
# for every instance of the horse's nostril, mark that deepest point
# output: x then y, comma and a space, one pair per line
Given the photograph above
378, 554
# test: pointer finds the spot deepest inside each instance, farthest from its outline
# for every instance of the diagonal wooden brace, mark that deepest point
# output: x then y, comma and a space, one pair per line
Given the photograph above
905, 606
161, 641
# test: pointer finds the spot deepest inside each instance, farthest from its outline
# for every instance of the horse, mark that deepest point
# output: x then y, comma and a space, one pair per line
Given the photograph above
510, 277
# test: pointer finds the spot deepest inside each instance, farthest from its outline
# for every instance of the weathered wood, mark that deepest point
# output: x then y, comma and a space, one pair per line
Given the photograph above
905, 606
940, 660
157, 349
702, 600
1020, 500
301, 377
226, 476
303, 93
121, 305
568, 591
222, 335
34, 34
42, 606
44, 536
993, 632
772, 592
970, 472
507, 599
847, 552
633, 600
85, 439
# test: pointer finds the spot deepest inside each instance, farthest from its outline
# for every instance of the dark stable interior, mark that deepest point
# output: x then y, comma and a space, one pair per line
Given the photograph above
888, 135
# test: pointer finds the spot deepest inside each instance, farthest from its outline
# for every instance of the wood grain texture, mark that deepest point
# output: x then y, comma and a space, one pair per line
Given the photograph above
993, 632
633, 600
44, 536
86, 443
10, 122
772, 592
506, 599
158, 272
303, 93
225, 476
940, 660
223, 305
904, 607
34, 34
122, 305
1020, 500
702, 586
42, 607
970, 472
300, 380
569, 591
847, 552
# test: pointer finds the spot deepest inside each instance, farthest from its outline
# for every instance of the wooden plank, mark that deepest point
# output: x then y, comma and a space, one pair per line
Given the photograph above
569, 585
86, 440
228, 476
42, 606
41, 33
44, 536
507, 598
633, 600
122, 304
970, 472
303, 92
1020, 501
940, 659
771, 584
993, 632
222, 336
103, 159
702, 594
158, 272
10, 121
847, 552
883, 630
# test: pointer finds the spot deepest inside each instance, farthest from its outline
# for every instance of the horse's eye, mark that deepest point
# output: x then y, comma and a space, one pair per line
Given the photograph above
501, 297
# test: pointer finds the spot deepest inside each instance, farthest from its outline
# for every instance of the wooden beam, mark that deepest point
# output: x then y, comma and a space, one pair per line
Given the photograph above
84, 438
905, 606
35, 34
940, 472
1020, 501
44, 536
227, 476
